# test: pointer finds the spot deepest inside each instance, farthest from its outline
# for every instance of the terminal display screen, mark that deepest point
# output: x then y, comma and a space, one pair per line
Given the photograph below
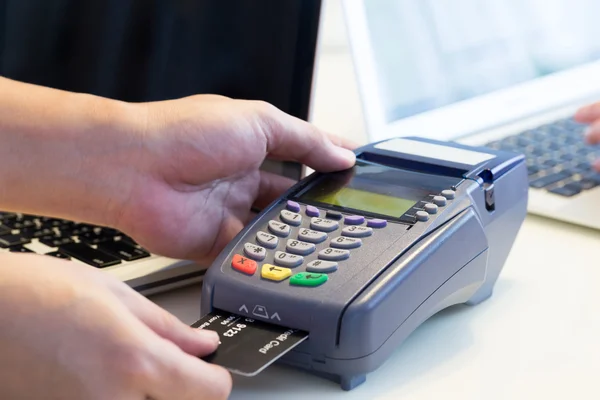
362, 200
371, 188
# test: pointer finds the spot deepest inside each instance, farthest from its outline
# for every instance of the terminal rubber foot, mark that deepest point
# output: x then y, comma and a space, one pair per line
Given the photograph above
350, 382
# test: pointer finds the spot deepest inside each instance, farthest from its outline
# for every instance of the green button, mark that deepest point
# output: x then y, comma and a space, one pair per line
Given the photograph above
308, 279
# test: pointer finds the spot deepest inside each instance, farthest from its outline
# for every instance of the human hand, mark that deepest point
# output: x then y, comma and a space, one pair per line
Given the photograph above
179, 176
196, 176
74, 332
591, 115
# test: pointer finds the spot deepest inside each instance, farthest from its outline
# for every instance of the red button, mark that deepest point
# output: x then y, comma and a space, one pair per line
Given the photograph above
244, 264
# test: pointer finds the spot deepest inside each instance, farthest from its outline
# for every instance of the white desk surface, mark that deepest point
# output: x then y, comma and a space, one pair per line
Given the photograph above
538, 337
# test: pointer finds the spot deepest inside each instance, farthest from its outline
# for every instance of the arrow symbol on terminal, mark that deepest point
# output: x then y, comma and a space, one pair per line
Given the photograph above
274, 269
275, 315
243, 308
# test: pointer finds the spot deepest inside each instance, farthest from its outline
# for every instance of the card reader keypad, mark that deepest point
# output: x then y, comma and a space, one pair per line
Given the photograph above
291, 218
267, 240
308, 248
309, 235
288, 259
279, 228
300, 248
300, 240
324, 225
255, 252
357, 231
332, 254
342, 242
321, 266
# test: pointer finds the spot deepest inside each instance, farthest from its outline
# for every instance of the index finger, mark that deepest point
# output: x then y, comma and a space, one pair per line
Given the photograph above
588, 114
290, 138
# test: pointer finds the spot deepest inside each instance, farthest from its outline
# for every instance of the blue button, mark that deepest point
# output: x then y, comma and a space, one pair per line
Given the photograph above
293, 206
377, 223
354, 220
312, 211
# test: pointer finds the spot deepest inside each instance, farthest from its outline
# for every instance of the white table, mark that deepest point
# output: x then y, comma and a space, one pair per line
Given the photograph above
538, 337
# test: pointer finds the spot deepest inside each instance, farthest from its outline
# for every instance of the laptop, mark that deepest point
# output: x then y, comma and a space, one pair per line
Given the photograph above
256, 51
504, 74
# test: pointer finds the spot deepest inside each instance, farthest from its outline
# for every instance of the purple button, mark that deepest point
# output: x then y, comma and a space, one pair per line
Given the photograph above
354, 220
312, 211
293, 206
377, 223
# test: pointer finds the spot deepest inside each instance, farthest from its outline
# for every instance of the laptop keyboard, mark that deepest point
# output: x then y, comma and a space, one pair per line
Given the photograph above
558, 160
98, 246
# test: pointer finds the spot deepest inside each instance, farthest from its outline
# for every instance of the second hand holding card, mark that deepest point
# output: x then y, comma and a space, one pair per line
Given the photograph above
247, 346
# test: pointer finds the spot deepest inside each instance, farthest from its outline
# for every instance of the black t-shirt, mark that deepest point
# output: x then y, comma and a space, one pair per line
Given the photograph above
142, 50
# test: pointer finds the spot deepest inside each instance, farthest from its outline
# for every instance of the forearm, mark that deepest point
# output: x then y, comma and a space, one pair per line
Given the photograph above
62, 153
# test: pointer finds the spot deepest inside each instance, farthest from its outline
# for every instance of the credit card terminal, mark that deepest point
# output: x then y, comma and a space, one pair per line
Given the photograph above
360, 258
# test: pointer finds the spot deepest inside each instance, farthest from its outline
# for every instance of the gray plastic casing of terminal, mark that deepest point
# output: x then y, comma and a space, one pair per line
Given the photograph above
404, 274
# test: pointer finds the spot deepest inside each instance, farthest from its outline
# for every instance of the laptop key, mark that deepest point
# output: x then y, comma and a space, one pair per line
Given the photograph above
547, 180
8, 241
127, 239
587, 184
93, 237
76, 229
52, 222
20, 249
123, 250
20, 223
550, 163
55, 241
35, 232
4, 230
592, 176
568, 190
537, 151
89, 255
58, 254
5, 216
567, 157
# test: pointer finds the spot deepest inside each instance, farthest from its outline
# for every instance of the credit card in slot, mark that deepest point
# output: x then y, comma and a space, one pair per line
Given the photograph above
248, 346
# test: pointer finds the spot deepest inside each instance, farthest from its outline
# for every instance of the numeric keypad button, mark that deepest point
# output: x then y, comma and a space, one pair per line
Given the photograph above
324, 225
342, 242
291, 218
267, 240
288, 260
331, 254
279, 228
357, 231
255, 252
308, 235
321, 266
298, 247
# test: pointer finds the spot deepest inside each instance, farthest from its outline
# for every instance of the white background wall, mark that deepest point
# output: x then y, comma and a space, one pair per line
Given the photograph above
336, 106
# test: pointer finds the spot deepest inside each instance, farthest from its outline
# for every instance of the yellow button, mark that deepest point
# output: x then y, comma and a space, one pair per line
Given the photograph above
274, 273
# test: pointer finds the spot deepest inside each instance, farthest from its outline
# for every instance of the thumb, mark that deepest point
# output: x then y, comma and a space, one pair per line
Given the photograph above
292, 139
196, 342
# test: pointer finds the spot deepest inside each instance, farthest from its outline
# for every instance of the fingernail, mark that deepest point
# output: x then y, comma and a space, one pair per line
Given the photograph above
210, 336
347, 155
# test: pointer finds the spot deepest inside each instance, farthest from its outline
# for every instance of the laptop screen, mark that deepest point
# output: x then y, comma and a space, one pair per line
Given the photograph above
139, 50
433, 53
